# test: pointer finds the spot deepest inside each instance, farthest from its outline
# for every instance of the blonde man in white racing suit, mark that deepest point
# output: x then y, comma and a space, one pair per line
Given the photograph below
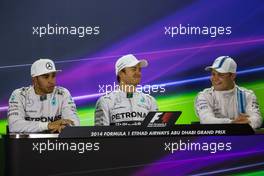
125, 106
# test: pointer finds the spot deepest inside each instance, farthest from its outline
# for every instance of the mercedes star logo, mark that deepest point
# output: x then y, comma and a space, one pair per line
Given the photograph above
49, 66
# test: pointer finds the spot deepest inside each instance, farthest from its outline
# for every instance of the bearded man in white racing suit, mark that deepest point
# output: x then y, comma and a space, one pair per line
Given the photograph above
225, 102
125, 106
43, 106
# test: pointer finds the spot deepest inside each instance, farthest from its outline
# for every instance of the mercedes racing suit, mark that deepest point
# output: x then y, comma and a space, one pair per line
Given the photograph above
121, 108
218, 107
29, 112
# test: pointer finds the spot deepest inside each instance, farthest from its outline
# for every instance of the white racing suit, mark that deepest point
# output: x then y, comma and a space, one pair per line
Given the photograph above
29, 112
118, 108
219, 107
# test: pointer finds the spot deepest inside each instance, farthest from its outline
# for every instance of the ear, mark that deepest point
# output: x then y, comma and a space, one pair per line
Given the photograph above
34, 79
233, 76
122, 74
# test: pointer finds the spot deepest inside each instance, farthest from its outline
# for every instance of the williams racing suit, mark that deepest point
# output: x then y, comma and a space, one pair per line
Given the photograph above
29, 112
217, 107
121, 108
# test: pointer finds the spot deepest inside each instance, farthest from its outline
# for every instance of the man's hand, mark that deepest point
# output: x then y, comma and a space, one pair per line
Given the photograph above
241, 119
58, 125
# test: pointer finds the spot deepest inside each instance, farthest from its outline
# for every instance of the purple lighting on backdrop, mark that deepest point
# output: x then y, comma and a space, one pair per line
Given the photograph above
92, 73
170, 57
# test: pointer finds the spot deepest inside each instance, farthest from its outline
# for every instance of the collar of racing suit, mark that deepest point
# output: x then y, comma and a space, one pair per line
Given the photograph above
126, 94
41, 97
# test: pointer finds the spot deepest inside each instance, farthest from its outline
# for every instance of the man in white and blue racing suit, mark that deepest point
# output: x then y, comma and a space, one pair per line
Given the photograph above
43, 106
125, 106
225, 102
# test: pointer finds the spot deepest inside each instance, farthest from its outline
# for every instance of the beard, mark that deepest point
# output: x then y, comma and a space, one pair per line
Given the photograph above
50, 89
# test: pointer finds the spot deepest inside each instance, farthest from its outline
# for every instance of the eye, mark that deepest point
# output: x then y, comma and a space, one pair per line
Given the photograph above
53, 75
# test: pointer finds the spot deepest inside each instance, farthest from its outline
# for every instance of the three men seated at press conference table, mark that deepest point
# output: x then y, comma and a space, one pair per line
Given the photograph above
44, 107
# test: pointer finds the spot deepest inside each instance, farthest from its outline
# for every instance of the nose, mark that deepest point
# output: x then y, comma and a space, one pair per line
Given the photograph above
51, 80
138, 74
214, 77
138, 71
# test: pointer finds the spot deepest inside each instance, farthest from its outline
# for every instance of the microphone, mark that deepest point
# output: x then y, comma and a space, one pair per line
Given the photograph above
129, 95
43, 97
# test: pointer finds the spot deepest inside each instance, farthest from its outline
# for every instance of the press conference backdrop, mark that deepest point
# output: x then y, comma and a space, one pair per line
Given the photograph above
85, 38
